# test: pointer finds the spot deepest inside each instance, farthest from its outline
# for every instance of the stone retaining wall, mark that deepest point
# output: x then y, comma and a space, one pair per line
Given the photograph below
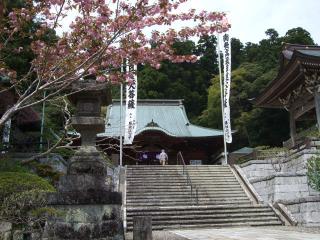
285, 181
305, 210
282, 186
295, 163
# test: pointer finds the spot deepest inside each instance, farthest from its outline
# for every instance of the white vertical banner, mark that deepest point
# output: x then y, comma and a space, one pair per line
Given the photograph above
226, 85
131, 105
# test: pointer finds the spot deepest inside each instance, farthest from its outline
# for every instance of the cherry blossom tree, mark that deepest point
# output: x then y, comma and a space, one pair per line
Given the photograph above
102, 34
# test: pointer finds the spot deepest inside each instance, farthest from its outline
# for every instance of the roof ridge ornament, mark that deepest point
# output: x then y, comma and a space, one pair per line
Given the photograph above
152, 124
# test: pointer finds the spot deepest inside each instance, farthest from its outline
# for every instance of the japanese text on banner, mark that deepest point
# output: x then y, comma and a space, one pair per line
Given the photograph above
131, 107
226, 84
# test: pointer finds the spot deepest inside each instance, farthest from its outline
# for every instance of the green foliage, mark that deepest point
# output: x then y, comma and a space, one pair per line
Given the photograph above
188, 81
17, 182
254, 67
8, 165
23, 199
313, 173
27, 209
298, 36
251, 123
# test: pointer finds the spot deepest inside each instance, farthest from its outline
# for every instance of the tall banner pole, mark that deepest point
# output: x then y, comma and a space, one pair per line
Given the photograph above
42, 121
121, 109
120, 120
222, 105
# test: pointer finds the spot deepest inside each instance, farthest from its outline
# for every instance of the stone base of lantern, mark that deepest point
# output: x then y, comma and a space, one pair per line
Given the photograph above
88, 207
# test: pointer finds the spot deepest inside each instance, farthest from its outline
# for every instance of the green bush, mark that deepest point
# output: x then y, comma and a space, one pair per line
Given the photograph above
9, 165
313, 173
18, 182
23, 200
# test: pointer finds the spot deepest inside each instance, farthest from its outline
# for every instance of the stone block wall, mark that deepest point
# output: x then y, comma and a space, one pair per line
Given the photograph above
255, 169
5, 230
286, 182
305, 210
281, 186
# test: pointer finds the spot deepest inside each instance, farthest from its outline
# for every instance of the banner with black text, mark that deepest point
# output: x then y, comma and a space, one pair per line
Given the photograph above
131, 105
226, 85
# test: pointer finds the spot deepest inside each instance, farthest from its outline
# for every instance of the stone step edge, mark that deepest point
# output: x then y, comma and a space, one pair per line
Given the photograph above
183, 199
186, 226
203, 211
183, 207
173, 196
207, 216
226, 221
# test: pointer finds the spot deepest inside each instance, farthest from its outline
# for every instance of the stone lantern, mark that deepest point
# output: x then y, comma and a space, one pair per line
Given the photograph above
92, 210
88, 122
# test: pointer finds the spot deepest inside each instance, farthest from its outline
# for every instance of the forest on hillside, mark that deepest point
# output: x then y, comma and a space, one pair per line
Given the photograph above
254, 65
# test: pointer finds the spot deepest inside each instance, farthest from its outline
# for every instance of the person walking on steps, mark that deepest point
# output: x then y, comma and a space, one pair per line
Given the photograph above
163, 157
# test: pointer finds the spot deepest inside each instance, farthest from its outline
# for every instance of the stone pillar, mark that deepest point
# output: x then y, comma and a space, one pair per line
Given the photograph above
142, 228
292, 127
317, 107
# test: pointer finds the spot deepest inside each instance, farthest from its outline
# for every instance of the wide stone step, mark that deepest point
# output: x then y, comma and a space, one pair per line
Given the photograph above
139, 190
158, 217
216, 225
179, 199
176, 166
185, 195
182, 194
193, 211
162, 169
176, 170
178, 176
204, 208
188, 202
182, 182
201, 198
167, 222
207, 184
184, 190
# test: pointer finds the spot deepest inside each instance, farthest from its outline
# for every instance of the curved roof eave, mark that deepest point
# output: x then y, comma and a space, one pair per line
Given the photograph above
160, 129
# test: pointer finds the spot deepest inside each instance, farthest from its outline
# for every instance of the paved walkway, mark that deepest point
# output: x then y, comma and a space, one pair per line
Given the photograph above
249, 233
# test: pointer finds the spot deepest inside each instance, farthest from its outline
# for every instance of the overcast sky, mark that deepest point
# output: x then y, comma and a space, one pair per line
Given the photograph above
251, 18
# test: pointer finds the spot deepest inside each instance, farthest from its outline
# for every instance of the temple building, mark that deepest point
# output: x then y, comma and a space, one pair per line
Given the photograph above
296, 88
19, 131
161, 124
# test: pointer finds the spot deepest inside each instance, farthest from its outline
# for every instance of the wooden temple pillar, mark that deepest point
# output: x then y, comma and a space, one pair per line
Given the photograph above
317, 107
292, 126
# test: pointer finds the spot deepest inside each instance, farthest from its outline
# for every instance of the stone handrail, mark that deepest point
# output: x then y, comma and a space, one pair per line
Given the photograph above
247, 184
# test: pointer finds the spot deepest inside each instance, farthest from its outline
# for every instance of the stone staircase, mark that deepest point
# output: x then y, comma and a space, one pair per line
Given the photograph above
162, 192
